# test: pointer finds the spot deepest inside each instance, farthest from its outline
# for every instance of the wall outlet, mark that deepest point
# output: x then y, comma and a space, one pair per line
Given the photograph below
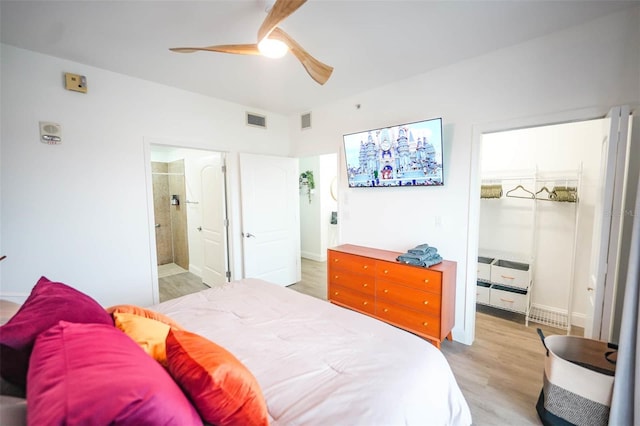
75, 82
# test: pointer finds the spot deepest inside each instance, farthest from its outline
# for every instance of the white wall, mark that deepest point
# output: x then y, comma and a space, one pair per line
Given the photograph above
310, 237
585, 69
77, 212
557, 150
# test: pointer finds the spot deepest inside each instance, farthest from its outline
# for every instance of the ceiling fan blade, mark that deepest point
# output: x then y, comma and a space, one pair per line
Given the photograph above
239, 49
317, 70
280, 10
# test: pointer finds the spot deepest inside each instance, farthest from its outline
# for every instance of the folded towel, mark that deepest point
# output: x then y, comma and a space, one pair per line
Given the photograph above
413, 256
433, 261
425, 251
410, 260
426, 261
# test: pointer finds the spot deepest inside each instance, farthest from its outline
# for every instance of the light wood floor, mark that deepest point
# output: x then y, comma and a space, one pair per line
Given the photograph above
176, 285
500, 375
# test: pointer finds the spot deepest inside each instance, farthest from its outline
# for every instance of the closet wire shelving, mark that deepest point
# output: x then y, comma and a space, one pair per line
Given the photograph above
569, 181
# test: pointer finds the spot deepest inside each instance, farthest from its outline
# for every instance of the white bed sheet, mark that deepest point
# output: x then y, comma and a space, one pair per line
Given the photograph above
320, 364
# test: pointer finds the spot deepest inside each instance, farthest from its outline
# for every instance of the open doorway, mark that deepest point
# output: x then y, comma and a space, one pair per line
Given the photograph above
318, 220
538, 193
190, 219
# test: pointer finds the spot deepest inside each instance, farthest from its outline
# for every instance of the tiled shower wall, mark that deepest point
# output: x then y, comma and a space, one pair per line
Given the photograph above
170, 220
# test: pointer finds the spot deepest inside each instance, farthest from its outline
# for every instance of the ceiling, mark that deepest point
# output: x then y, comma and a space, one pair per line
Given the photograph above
369, 43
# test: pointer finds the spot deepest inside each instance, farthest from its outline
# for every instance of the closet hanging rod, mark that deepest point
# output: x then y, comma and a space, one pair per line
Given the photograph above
167, 174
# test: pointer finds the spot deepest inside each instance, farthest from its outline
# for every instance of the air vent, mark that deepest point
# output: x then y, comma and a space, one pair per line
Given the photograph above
305, 121
256, 120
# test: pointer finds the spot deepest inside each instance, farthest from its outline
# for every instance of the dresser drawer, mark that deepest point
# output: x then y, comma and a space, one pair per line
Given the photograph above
421, 301
411, 276
408, 319
361, 283
352, 263
352, 299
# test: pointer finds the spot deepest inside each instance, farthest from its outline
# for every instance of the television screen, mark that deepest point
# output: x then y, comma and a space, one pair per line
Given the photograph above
404, 155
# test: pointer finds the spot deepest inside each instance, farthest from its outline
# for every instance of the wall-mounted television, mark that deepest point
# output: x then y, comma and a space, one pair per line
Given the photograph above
403, 155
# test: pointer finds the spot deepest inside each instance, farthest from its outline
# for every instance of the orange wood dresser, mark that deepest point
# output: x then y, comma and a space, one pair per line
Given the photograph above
371, 281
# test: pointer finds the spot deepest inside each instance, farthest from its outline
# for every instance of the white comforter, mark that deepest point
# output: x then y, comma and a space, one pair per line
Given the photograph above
320, 364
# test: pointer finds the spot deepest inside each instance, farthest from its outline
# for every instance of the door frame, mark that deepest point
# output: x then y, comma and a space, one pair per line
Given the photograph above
473, 203
153, 258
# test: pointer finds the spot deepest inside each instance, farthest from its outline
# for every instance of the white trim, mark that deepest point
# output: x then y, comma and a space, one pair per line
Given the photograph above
314, 256
467, 334
14, 297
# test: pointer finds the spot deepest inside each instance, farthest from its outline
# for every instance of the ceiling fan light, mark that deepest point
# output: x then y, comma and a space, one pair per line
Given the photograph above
272, 48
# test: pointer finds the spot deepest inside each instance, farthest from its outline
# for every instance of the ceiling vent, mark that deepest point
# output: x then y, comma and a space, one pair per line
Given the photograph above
305, 121
256, 120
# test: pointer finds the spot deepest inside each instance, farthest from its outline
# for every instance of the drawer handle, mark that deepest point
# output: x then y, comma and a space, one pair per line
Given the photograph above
336, 293
335, 260
426, 281
426, 302
365, 285
386, 290
425, 323
386, 272
336, 277
507, 300
386, 310
365, 266
365, 303
508, 278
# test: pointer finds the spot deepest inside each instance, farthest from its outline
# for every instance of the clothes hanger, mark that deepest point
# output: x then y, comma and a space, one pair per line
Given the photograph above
551, 195
531, 194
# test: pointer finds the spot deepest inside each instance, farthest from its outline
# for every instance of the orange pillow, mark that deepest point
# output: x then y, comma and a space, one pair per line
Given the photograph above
150, 334
143, 312
221, 388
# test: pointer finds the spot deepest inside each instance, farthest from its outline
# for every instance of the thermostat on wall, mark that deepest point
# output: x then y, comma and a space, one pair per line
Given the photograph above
50, 133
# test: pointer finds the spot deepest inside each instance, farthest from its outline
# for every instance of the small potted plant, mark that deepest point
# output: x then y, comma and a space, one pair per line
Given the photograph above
307, 183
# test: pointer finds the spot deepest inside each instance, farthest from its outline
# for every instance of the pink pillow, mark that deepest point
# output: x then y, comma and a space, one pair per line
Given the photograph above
48, 303
223, 390
93, 374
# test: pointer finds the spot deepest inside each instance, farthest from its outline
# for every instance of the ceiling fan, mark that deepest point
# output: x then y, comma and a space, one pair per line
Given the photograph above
273, 42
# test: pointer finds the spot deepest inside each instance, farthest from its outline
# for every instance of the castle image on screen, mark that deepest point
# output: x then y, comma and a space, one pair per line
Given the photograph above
404, 155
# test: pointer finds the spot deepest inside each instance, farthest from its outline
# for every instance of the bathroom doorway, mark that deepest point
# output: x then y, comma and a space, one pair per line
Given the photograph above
190, 219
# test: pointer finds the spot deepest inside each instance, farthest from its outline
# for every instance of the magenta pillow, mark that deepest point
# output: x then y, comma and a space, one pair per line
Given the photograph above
94, 374
48, 303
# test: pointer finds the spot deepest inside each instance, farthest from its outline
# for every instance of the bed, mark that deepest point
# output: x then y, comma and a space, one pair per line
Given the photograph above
315, 363
321, 364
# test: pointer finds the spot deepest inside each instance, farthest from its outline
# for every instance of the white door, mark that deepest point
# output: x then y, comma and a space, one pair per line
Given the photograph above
270, 218
607, 225
214, 221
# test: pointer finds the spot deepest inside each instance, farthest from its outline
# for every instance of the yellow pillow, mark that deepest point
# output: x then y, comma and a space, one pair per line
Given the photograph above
150, 334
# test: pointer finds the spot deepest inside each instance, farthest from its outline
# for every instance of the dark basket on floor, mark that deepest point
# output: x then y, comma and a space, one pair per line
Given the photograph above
578, 381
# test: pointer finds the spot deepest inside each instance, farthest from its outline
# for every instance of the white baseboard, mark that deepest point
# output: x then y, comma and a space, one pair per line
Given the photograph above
195, 270
578, 319
314, 256
14, 297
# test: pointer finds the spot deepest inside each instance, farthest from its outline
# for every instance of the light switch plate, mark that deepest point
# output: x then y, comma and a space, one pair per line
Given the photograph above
75, 82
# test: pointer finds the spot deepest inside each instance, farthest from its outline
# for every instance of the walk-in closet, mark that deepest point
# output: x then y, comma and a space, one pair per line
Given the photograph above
538, 195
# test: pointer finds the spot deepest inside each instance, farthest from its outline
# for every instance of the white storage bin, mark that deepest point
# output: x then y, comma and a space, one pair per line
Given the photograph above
508, 298
484, 268
482, 292
507, 272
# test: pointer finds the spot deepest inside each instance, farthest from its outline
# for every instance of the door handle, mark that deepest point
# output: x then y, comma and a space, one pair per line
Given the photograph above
157, 225
249, 235
199, 228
